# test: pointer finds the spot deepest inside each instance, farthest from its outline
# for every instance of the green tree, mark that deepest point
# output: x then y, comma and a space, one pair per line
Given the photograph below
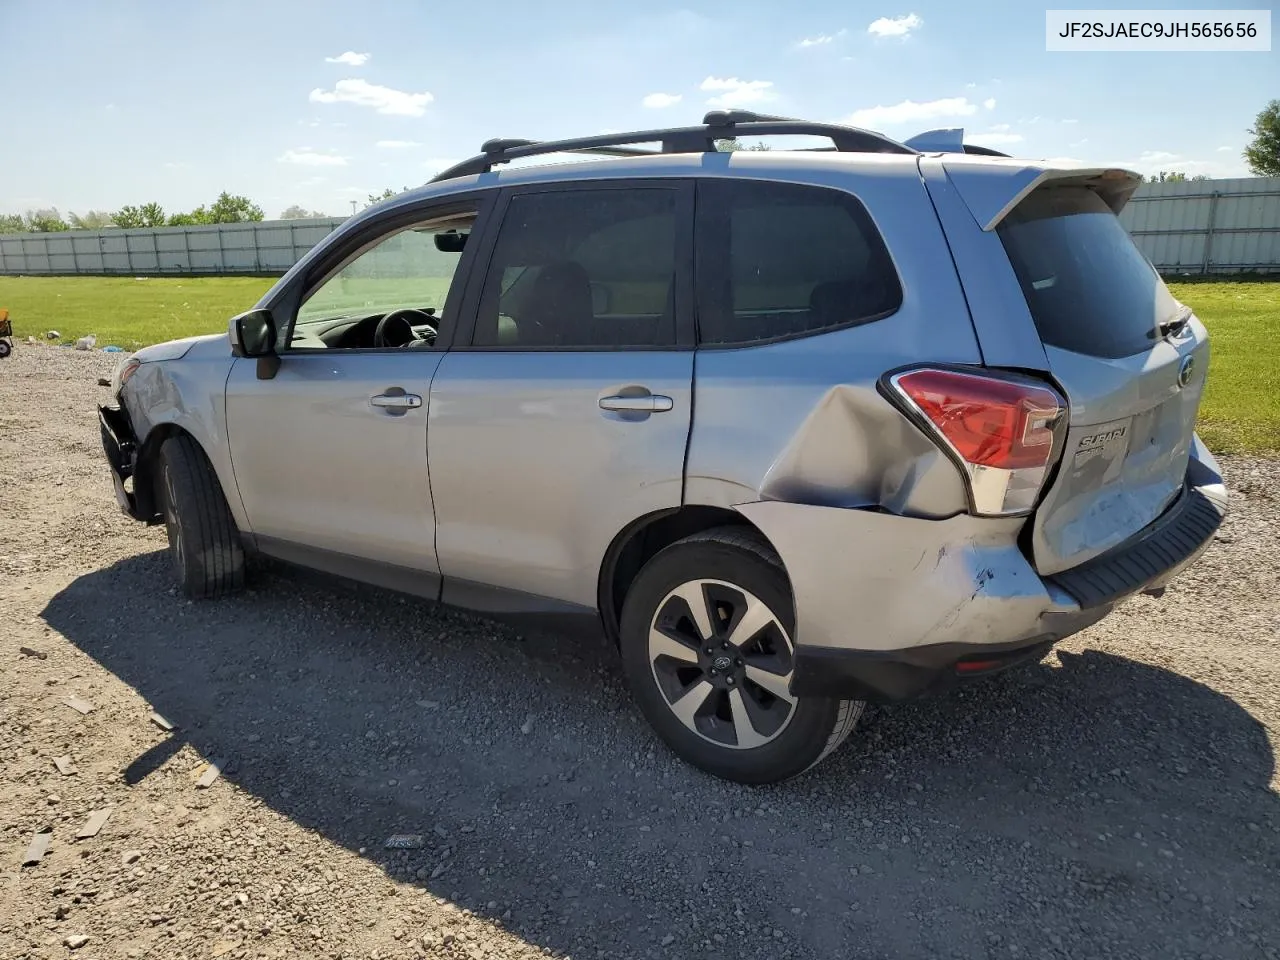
234, 209
93, 220
197, 216
228, 208
12, 223
46, 221
297, 212
386, 194
1172, 176
1263, 153
147, 215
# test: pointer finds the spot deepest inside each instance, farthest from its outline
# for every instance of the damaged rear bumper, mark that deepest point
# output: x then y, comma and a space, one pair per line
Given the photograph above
121, 449
890, 607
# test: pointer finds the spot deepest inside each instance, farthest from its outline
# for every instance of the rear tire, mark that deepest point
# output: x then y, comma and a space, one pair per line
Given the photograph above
204, 543
716, 694
5, 349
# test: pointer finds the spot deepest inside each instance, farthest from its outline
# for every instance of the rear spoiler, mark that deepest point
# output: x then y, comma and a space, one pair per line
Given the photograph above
991, 189
948, 140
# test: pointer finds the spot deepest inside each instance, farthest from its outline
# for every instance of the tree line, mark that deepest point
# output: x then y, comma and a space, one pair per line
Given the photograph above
227, 208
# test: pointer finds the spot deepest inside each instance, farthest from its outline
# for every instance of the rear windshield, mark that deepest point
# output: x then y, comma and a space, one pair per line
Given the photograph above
1089, 287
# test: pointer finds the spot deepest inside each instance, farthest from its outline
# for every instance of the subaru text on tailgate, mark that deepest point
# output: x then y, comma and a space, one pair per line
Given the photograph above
797, 429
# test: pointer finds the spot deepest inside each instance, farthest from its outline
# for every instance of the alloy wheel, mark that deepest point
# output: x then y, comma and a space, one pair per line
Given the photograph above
723, 662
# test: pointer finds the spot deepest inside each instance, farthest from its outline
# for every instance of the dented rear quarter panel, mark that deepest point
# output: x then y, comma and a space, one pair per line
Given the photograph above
802, 420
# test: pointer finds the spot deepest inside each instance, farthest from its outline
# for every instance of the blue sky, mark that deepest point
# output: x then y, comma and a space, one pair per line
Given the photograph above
319, 102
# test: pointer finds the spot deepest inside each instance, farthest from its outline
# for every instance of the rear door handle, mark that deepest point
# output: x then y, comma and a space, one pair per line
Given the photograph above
396, 401
652, 403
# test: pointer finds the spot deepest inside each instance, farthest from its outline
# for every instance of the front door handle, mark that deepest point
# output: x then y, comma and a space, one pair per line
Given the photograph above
396, 401
650, 403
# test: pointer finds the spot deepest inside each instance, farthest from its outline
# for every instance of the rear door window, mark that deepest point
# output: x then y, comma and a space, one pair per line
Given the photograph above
779, 260
1088, 286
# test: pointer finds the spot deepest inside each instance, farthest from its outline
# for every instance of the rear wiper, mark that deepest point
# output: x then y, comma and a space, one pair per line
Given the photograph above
1170, 327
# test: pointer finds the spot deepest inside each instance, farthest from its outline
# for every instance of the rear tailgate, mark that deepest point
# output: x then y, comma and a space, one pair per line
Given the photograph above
1129, 358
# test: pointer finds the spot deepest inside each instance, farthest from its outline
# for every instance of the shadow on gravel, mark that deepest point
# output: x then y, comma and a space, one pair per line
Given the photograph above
1088, 805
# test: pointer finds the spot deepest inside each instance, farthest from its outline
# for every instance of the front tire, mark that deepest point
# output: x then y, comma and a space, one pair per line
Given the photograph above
204, 543
706, 634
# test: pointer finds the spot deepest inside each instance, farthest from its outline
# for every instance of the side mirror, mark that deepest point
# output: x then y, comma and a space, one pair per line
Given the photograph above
253, 334
451, 241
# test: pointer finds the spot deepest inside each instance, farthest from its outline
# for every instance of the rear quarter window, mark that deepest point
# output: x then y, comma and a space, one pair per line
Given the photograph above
778, 260
1089, 288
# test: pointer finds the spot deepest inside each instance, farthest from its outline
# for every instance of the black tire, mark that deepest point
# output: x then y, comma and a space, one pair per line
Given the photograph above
204, 543
5, 349
738, 557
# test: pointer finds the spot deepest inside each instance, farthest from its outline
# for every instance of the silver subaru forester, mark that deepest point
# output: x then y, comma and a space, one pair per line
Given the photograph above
797, 429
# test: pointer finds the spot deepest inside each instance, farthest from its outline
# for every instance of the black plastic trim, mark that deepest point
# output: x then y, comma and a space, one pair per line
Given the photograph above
717, 125
1168, 544
120, 446
886, 676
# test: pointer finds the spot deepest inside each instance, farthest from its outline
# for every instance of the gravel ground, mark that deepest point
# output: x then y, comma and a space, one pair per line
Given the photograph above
1116, 800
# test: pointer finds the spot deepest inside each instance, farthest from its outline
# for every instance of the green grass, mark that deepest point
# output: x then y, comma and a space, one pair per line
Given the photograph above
126, 312
1240, 412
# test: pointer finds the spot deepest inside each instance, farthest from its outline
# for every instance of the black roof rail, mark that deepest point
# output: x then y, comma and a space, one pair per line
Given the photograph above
716, 125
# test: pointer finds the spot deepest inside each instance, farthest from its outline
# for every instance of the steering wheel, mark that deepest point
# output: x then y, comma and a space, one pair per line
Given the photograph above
396, 328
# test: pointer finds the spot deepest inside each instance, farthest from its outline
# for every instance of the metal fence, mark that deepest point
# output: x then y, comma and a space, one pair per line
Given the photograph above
1208, 226
269, 247
1191, 227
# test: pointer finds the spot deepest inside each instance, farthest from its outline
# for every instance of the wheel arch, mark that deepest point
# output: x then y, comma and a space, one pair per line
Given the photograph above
644, 537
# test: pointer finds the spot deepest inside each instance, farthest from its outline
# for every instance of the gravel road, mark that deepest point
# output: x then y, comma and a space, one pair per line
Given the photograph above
1119, 799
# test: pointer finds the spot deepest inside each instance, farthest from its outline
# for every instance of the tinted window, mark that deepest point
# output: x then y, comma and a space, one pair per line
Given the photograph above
777, 260
1089, 288
582, 268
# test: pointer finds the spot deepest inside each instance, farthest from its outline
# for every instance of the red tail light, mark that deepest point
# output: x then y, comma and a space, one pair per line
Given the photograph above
1003, 431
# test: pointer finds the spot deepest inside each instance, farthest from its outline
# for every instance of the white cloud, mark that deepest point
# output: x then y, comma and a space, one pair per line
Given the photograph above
909, 111
896, 26
821, 40
1157, 156
1225, 149
1078, 143
382, 99
656, 101
176, 165
970, 86
999, 127
993, 139
397, 144
989, 103
350, 58
737, 93
307, 157
311, 182
1070, 121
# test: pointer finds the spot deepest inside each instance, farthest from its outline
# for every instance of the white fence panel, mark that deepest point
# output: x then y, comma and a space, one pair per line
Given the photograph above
1199, 226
